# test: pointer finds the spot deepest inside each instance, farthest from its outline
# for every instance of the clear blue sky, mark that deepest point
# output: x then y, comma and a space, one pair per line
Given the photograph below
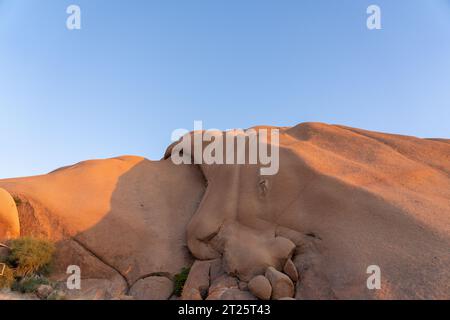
140, 69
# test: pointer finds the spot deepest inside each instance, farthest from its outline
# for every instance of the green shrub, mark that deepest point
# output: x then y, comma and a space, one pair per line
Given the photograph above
30, 256
179, 281
6, 277
30, 284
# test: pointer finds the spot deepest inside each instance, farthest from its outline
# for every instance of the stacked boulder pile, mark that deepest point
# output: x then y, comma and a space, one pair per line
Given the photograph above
207, 280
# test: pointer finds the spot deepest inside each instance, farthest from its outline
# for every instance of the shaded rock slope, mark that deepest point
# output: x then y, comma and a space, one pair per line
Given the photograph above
343, 199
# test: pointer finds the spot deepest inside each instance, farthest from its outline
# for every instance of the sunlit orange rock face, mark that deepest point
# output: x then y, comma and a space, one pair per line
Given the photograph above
9, 217
343, 199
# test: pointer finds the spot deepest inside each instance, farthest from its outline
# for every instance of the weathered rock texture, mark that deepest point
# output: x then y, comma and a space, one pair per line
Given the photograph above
9, 217
291, 270
260, 287
197, 283
152, 288
282, 285
343, 199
